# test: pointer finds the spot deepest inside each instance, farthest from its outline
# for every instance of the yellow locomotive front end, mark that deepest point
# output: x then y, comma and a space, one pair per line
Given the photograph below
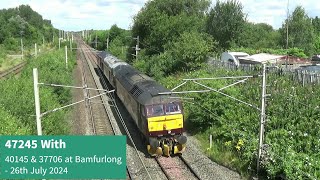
165, 129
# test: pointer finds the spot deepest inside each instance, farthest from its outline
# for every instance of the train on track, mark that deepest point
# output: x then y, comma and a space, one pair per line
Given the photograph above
158, 117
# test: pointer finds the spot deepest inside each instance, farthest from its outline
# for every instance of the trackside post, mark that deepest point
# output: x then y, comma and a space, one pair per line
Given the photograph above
66, 49
35, 49
37, 100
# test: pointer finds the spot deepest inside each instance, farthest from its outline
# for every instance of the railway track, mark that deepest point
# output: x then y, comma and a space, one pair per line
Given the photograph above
100, 125
176, 168
98, 114
14, 70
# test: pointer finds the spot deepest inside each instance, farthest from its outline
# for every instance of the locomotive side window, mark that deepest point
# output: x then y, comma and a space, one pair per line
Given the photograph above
172, 108
155, 110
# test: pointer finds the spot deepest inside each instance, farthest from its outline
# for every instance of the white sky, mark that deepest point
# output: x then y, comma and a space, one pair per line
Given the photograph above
102, 14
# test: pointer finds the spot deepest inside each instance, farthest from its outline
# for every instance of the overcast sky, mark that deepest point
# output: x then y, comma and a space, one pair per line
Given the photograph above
102, 14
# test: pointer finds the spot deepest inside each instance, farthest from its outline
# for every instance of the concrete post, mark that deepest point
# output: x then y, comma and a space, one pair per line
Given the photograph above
37, 100
66, 49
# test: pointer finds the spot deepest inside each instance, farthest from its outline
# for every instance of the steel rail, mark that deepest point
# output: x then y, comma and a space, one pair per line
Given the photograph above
189, 166
15, 69
113, 128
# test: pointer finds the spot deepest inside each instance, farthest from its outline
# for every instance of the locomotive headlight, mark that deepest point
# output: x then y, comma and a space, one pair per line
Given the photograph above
164, 126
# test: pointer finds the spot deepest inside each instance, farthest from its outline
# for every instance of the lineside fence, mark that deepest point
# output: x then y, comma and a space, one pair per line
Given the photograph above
302, 76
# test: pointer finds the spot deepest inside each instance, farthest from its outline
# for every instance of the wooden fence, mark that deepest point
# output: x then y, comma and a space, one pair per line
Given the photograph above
302, 76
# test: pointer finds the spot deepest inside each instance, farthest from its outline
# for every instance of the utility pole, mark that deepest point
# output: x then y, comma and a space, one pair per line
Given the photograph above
70, 45
35, 50
262, 115
21, 48
96, 41
287, 43
137, 47
108, 42
37, 100
66, 50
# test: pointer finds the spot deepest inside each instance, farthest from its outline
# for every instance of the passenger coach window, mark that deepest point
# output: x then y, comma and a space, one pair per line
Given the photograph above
172, 108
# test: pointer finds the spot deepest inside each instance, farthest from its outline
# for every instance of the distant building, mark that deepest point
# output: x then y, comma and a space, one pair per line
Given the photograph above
233, 57
262, 58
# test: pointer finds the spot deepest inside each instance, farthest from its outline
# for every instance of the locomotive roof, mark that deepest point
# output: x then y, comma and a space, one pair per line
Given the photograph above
113, 61
144, 89
102, 54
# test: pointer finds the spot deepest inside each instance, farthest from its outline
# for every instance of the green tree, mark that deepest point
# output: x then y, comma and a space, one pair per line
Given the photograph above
23, 22
317, 45
118, 48
190, 50
258, 36
225, 22
316, 25
187, 52
161, 21
300, 31
114, 32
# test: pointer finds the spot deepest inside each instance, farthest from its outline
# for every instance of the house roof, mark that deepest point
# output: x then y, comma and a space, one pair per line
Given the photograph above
238, 53
263, 58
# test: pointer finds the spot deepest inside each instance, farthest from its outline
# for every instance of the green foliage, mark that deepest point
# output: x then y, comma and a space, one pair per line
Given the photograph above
10, 125
161, 21
258, 36
225, 22
11, 43
23, 22
187, 52
297, 52
117, 48
291, 131
317, 44
19, 97
300, 31
117, 33
316, 25
118, 41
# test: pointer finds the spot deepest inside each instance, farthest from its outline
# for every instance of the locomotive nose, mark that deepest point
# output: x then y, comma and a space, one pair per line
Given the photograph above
164, 126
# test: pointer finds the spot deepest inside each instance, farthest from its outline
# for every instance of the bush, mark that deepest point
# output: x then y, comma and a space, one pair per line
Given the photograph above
291, 132
18, 96
11, 125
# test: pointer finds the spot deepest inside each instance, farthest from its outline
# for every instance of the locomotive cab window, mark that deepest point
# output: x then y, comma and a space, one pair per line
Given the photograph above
173, 108
155, 110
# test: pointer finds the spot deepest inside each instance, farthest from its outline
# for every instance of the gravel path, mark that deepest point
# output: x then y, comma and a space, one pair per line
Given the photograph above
206, 168
79, 123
